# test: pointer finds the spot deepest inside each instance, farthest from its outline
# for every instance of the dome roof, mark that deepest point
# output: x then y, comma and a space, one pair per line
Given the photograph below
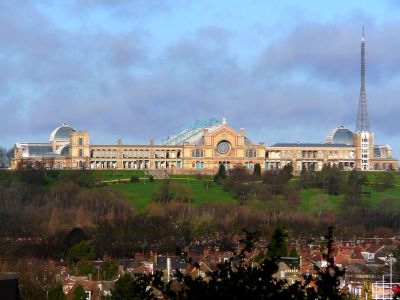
62, 133
340, 135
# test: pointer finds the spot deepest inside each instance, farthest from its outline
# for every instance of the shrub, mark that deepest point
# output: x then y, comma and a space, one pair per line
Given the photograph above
151, 178
135, 179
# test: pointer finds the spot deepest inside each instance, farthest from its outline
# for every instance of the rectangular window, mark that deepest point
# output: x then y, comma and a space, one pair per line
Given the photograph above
80, 152
80, 141
251, 153
197, 153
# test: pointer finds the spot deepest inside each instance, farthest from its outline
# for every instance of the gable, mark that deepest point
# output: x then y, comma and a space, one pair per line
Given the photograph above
225, 133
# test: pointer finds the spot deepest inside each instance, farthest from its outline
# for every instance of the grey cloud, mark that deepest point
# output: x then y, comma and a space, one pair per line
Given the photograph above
121, 8
331, 51
114, 85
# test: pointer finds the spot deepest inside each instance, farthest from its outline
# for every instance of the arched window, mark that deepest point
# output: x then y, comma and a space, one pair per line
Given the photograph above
199, 165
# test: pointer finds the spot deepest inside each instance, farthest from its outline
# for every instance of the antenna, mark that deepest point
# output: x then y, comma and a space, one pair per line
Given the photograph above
362, 114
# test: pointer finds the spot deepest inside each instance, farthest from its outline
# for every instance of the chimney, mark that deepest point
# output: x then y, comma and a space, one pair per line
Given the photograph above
119, 142
151, 142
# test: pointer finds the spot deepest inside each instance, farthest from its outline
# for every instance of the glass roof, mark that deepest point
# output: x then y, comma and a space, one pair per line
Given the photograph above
340, 135
62, 133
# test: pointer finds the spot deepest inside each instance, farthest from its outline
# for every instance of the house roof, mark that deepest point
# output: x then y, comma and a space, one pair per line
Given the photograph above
311, 145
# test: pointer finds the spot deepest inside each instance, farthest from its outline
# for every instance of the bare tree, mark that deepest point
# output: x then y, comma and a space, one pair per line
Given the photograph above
4, 161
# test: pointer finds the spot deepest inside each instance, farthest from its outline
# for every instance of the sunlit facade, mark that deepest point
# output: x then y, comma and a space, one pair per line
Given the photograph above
201, 147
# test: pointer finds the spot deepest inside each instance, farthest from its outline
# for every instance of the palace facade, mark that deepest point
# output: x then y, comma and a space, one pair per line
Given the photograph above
202, 147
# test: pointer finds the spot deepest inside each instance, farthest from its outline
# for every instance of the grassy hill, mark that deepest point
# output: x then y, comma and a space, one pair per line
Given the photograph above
141, 194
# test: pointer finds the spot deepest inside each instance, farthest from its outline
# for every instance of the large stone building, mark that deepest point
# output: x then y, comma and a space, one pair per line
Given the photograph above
202, 148
204, 145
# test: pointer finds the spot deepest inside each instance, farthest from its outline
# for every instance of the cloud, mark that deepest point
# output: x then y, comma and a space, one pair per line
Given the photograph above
332, 51
117, 85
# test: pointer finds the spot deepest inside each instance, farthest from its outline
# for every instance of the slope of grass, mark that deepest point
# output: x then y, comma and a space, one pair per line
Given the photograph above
103, 175
141, 194
307, 195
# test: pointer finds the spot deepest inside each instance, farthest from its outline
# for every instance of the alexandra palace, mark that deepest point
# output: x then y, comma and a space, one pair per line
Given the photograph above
202, 146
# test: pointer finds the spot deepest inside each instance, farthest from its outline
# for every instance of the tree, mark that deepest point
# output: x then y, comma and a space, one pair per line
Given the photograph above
388, 205
287, 171
221, 174
57, 293
84, 178
108, 269
84, 269
389, 180
236, 279
180, 192
124, 288
277, 180
31, 172
4, 161
277, 246
355, 182
81, 251
75, 236
328, 278
293, 252
241, 191
330, 179
307, 179
163, 194
257, 170
79, 293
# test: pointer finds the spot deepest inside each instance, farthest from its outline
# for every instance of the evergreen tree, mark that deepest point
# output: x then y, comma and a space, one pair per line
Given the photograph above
293, 252
108, 269
79, 293
257, 170
124, 288
57, 293
277, 246
81, 251
221, 174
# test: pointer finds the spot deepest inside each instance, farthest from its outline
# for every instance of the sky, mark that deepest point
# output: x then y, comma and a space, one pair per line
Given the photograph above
136, 70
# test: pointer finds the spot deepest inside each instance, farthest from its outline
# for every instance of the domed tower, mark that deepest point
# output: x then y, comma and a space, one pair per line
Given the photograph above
340, 135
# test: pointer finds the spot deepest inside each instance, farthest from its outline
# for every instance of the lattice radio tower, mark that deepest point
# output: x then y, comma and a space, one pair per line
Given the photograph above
362, 114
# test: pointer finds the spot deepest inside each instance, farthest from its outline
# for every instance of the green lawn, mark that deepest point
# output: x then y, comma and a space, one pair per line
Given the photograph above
306, 196
8, 175
103, 175
140, 194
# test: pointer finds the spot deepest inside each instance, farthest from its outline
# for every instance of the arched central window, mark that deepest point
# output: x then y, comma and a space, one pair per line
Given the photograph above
223, 147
